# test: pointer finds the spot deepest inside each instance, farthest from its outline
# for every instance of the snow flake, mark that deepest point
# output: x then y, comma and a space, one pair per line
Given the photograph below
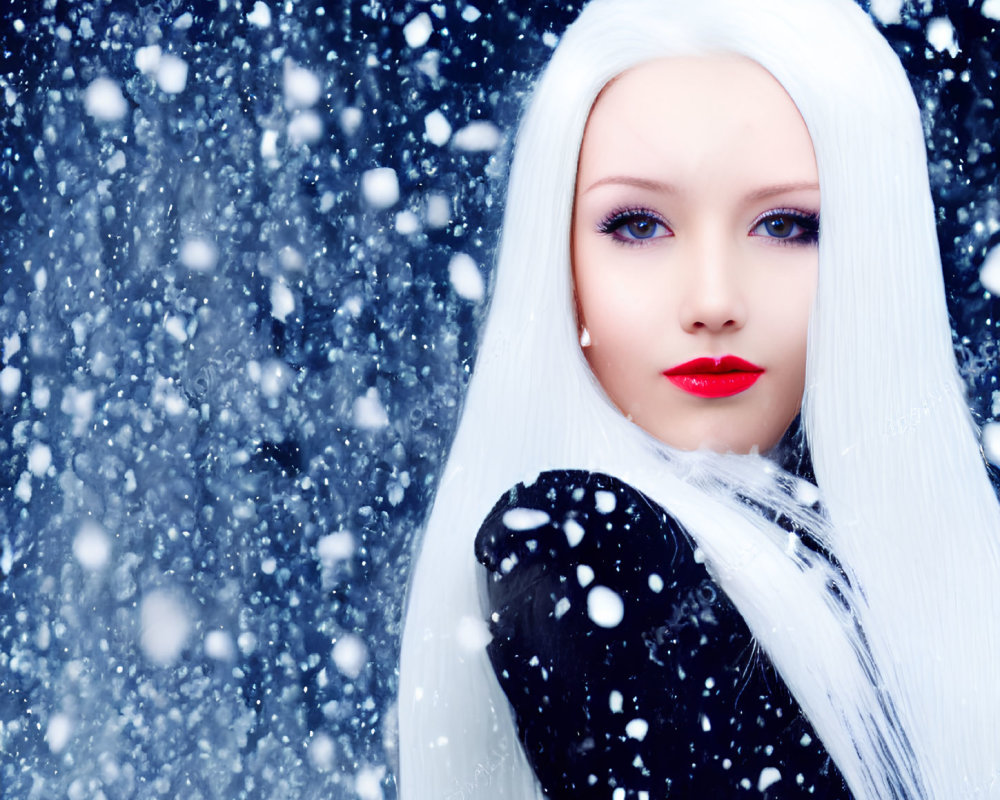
165, 627
350, 655
407, 222
524, 519
322, 752
282, 300
79, 404
92, 546
477, 137
39, 459
176, 328
768, 776
302, 87
616, 701
380, 187
604, 501
103, 100
465, 277
290, 259
199, 254
888, 12
260, 16
472, 633
10, 380
22, 489
418, 30
369, 413
58, 732
171, 74
147, 59
350, 120
562, 606
115, 163
334, 548
655, 582
989, 272
11, 345
574, 532
269, 147
275, 375
305, 127
637, 729
941, 35
219, 645
584, 575
438, 212
605, 607
368, 783
437, 129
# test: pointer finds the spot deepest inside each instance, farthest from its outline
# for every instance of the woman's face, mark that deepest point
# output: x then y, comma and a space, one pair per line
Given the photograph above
694, 249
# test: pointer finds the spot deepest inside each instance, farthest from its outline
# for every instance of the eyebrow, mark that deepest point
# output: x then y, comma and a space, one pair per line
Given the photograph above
639, 183
669, 188
782, 188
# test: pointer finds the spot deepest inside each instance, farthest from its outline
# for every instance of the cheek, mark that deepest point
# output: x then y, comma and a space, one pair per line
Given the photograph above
613, 317
791, 326
618, 310
617, 293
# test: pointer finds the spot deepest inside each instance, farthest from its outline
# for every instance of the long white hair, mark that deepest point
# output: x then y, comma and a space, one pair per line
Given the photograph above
898, 667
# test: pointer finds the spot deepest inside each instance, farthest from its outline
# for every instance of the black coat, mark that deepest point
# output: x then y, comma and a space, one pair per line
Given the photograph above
630, 673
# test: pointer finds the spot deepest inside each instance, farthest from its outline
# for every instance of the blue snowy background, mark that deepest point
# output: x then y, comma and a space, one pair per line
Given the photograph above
244, 249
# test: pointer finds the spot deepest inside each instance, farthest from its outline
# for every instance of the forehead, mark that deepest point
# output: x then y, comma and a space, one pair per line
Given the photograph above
685, 114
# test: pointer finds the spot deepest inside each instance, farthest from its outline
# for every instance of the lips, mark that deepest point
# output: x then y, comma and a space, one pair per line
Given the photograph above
714, 377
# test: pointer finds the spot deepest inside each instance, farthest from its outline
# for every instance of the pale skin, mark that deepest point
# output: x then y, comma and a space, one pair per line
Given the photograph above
694, 236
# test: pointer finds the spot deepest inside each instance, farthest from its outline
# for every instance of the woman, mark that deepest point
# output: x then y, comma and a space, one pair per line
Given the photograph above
889, 646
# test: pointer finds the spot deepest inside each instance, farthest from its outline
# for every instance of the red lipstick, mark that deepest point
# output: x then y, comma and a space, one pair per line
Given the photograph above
714, 377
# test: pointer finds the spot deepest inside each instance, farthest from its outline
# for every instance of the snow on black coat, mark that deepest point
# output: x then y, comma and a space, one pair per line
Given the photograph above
630, 673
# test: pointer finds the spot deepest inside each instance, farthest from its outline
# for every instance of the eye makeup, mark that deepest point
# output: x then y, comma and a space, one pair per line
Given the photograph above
787, 226
634, 226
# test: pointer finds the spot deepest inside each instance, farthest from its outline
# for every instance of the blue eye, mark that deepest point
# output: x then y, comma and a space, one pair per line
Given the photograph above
634, 227
788, 227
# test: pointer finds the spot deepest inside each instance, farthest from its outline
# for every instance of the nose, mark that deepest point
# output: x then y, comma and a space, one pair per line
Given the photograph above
713, 299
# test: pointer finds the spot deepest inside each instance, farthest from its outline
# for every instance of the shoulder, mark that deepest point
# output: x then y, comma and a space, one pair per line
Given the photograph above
594, 556
568, 510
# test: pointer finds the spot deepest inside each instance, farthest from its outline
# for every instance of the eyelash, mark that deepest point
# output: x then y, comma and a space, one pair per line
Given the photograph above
618, 219
808, 222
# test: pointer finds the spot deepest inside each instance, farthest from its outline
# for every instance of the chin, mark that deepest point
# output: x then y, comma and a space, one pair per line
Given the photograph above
738, 442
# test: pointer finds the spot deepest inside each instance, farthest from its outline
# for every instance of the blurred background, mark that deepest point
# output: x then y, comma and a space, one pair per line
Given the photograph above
245, 248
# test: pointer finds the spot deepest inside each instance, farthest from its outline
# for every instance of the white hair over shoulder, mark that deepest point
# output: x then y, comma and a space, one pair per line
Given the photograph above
902, 681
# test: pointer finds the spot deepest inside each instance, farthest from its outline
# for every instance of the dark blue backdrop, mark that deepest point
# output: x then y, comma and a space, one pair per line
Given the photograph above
213, 467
